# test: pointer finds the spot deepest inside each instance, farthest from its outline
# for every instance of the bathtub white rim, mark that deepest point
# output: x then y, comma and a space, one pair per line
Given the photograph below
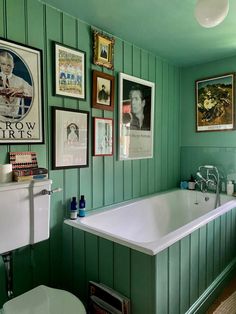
152, 247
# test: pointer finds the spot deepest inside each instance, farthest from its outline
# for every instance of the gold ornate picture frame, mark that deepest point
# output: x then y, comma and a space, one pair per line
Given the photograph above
103, 50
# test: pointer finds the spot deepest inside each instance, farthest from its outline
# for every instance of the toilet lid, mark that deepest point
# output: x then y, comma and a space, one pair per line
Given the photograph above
44, 300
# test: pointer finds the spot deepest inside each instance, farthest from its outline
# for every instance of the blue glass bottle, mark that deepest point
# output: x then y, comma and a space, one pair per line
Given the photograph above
82, 206
73, 208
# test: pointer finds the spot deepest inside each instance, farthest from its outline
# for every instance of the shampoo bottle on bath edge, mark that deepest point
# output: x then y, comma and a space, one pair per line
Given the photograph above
191, 183
82, 206
230, 188
73, 208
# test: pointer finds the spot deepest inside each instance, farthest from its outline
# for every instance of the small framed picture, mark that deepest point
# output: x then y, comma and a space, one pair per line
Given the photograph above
103, 91
215, 109
103, 136
21, 96
70, 65
103, 53
70, 145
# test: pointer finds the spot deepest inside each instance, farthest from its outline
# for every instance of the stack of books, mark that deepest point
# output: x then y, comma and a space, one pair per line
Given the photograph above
25, 167
30, 174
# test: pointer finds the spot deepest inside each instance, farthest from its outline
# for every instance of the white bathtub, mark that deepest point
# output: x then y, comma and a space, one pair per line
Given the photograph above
153, 223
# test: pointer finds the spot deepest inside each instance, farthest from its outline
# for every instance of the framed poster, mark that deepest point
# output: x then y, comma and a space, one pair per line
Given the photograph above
103, 50
21, 100
103, 137
70, 65
103, 91
70, 138
136, 117
215, 108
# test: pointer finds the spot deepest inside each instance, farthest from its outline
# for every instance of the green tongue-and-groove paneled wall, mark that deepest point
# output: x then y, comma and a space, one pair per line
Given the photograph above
107, 180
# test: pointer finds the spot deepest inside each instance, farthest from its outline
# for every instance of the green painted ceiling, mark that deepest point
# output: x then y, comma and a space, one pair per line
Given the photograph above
165, 27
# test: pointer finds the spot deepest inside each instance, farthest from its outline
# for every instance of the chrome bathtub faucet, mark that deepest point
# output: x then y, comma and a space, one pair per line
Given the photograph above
209, 180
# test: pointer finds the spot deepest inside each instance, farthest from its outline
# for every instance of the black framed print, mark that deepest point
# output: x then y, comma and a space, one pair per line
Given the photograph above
70, 138
21, 100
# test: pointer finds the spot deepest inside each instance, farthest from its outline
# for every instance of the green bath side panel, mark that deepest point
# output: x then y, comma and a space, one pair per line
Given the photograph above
233, 224
210, 252
106, 262
122, 269
92, 257
174, 278
184, 274
79, 263
202, 258
3, 294
67, 257
216, 248
223, 241
162, 282
142, 283
194, 262
228, 237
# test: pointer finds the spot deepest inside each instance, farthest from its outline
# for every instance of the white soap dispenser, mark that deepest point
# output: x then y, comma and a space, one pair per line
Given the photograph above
230, 188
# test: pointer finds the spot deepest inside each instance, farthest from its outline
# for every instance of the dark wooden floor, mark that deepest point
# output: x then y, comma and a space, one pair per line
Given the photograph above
226, 292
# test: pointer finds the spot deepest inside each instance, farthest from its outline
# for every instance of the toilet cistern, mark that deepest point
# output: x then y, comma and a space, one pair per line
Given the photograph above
24, 219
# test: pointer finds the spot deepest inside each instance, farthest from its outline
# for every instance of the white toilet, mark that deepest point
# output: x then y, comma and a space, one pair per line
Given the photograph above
24, 219
44, 300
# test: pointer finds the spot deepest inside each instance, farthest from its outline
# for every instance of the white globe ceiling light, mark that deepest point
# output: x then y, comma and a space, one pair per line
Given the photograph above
210, 13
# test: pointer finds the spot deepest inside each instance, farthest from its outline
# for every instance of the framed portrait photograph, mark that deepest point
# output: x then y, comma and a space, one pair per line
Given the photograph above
70, 138
103, 137
21, 98
215, 108
70, 65
103, 50
136, 117
103, 91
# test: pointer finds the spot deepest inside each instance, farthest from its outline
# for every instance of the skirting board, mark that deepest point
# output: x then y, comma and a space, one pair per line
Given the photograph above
211, 293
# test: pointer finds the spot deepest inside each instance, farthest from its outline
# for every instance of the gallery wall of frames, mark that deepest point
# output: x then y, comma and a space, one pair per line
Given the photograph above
74, 111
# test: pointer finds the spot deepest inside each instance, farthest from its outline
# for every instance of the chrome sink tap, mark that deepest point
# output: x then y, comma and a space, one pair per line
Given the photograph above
209, 180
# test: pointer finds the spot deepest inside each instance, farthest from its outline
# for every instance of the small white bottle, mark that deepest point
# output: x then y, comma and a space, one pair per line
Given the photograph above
230, 188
